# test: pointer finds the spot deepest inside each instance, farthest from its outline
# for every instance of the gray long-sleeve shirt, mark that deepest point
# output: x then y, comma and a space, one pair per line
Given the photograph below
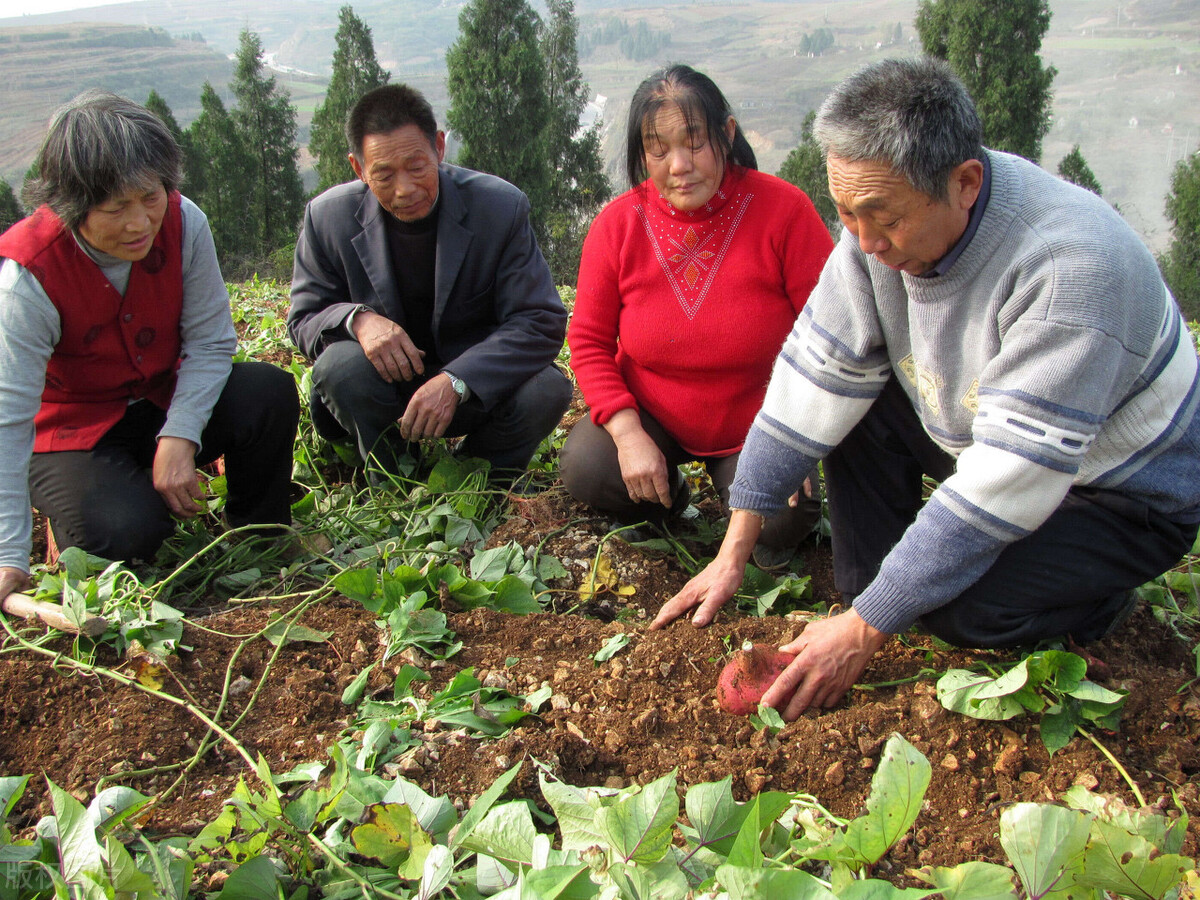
30, 328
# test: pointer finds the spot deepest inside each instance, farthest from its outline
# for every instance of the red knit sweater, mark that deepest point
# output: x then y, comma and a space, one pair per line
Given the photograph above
682, 314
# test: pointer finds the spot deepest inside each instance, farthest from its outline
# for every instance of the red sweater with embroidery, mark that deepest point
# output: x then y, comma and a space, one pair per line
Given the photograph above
682, 314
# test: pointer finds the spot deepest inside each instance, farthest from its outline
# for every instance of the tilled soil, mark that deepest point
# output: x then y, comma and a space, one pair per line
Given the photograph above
649, 709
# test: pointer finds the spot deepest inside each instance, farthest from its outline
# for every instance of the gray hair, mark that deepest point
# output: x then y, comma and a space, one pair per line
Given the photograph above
912, 114
100, 145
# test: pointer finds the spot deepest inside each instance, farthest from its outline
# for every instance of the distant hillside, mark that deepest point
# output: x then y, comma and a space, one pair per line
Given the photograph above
1127, 90
43, 66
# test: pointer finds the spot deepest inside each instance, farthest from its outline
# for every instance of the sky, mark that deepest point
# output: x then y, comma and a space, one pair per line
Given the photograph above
21, 7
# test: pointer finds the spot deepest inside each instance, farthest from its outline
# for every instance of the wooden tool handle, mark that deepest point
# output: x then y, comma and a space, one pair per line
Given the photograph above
52, 614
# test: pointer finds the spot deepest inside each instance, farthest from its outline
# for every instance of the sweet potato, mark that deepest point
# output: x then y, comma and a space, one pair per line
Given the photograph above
748, 675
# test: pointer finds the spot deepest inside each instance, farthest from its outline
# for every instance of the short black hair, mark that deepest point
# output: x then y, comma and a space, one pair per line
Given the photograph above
100, 145
385, 109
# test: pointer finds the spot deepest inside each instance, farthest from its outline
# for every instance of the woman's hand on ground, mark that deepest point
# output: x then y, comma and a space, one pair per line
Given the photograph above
175, 476
643, 466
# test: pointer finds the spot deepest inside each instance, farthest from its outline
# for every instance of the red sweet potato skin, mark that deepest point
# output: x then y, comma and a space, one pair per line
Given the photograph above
748, 675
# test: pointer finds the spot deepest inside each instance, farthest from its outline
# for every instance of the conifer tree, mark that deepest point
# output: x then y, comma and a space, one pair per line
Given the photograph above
10, 209
496, 76
223, 170
993, 45
157, 105
1181, 263
1074, 168
355, 71
805, 168
578, 186
266, 120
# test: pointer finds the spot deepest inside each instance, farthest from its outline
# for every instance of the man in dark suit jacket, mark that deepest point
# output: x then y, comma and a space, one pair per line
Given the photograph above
421, 296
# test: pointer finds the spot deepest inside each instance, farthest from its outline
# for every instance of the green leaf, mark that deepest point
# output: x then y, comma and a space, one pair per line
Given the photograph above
289, 632
897, 792
612, 647
753, 883
123, 874
971, 881
561, 883
439, 867
255, 879
358, 584
1045, 844
512, 595
114, 805
747, 846
78, 849
12, 788
494, 564
1130, 866
1058, 728
576, 811
355, 689
1009, 683
874, 889
957, 690
482, 804
434, 814
1091, 692
639, 827
506, 833
550, 567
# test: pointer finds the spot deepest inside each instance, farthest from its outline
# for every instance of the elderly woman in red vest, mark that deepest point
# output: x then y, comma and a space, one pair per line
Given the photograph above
116, 344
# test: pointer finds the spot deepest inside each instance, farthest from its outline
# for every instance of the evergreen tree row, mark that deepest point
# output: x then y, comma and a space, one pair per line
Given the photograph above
241, 165
516, 99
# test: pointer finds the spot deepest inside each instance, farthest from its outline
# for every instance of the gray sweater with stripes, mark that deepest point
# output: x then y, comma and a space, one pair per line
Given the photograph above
1050, 354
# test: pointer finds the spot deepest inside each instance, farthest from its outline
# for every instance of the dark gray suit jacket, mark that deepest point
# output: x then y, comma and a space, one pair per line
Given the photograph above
497, 318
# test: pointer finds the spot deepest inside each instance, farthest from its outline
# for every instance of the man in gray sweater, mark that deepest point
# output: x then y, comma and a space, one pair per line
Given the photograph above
1000, 330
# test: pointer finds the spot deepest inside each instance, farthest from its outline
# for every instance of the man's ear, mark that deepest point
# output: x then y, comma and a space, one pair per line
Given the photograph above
439, 144
966, 181
357, 166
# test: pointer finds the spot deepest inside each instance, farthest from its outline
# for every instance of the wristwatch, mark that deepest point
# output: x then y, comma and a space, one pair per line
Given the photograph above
460, 386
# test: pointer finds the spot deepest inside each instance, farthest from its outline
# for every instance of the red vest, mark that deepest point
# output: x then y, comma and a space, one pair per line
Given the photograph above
113, 349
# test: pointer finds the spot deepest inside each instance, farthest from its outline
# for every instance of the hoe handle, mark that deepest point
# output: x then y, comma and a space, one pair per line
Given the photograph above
52, 614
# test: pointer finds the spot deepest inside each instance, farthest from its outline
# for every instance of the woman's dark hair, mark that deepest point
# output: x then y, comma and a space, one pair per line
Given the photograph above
704, 108
100, 145
385, 109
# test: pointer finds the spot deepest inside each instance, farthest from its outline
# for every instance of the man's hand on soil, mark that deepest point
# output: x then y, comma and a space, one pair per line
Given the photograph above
709, 591
430, 410
12, 579
830, 656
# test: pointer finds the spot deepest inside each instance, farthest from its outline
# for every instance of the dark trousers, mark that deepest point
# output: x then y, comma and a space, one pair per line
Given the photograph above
104, 501
591, 473
350, 399
1067, 578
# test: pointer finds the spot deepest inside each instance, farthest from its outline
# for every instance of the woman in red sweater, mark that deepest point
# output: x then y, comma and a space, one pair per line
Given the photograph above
688, 285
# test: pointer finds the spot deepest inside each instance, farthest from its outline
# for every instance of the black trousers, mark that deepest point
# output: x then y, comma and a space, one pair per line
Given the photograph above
1067, 578
350, 399
103, 499
591, 473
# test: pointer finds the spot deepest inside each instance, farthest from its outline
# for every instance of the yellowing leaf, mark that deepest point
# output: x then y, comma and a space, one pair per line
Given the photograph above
150, 673
392, 835
603, 577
